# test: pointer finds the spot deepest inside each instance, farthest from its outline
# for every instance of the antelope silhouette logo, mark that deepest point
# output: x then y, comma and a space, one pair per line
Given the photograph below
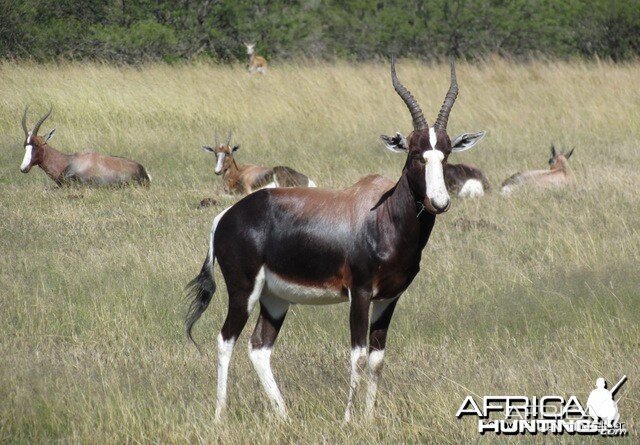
601, 405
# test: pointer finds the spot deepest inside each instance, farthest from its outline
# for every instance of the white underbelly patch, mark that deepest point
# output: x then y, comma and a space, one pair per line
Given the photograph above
296, 293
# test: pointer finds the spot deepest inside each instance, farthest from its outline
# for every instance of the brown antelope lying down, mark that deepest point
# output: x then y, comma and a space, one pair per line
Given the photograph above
361, 245
557, 176
247, 178
84, 168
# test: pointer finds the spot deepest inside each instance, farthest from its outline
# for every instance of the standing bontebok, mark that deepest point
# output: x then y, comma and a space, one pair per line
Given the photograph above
558, 174
85, 168
360, 245
246, 178
257, 64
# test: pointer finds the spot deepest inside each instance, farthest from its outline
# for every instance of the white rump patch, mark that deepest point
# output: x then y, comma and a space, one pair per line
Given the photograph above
506, 190
270, 185
212, 234
434, 178
28, 154
471, 189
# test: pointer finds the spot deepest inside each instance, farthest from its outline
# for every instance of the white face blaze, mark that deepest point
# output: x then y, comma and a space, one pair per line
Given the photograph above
28, 154
220, 162
434, 179
432, 137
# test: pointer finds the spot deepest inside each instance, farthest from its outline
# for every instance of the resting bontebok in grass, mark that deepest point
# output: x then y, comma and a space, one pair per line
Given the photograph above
257, 64
558, 174
466, 180
360, 245
86, 168
246, 178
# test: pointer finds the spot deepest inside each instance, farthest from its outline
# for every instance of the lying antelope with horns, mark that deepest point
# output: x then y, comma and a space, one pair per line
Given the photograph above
558, 174
239, 178
360, 245
85, 168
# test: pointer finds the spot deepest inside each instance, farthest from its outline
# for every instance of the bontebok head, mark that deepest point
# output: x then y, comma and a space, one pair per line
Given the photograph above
429, 147
223, 153
33, 144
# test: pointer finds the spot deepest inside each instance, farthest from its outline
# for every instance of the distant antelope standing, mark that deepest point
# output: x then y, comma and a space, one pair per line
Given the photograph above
362, 245
85, 168
558, 174
247, 178
256, 63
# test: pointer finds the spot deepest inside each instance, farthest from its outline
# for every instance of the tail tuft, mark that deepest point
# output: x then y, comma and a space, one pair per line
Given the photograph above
200, 290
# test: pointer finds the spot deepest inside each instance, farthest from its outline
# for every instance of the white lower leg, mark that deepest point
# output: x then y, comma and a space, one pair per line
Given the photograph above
261, 359
375, 369
225, 349
358, 362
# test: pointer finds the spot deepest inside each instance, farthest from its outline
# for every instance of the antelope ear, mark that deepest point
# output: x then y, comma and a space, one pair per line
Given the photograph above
235, 148
466, 140
207, 148
49, 135
396, 144
568, 155
553, 151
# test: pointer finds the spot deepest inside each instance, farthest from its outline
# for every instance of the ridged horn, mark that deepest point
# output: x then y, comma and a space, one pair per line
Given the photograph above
449, 100
42, 119
217, 136
24, 121
419, 122
229, 137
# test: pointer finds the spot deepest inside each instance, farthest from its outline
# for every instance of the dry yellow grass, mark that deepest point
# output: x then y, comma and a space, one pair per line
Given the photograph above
536, 294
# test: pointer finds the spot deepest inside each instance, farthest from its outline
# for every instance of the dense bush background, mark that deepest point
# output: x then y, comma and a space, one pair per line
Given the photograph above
137, 31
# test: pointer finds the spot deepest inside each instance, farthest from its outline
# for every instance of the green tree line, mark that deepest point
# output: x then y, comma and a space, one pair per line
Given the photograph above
130, 31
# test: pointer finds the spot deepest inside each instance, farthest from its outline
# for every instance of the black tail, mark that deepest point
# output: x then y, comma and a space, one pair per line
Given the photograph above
200, 290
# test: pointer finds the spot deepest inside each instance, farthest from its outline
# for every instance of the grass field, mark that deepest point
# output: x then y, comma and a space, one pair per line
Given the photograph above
535, 294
